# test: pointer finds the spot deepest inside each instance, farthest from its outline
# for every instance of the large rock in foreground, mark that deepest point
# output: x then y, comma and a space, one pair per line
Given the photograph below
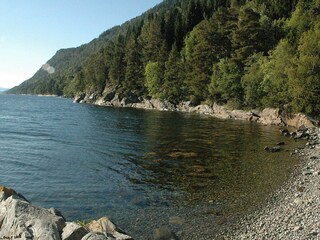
20, 220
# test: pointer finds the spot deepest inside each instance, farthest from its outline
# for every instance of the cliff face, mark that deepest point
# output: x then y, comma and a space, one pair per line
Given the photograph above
21, 220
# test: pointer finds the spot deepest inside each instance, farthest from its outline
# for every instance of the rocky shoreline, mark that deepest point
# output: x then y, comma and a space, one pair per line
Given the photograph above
268, 116
293, 212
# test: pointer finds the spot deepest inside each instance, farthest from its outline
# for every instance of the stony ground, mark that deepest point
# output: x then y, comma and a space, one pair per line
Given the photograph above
294, 211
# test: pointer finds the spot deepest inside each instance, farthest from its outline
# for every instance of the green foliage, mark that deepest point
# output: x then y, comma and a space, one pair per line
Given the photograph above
173, 86
75, 85
206, 44
252, 81
134, 72
95, 73
154, 79
151, 40
304, 77
258, 53
248, 38
226, 82
117, 63
275, 80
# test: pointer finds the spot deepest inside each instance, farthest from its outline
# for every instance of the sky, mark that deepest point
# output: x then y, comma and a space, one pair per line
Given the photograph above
31, 31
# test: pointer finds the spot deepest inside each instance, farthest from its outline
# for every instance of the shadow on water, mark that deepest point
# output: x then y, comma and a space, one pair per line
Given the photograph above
144, 169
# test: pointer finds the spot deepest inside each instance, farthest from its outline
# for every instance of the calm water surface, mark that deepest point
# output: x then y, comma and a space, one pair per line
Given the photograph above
143, 169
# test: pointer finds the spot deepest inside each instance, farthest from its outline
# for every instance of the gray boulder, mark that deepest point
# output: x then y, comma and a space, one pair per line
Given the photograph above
19, 218
95, 236
73, 231
105, 226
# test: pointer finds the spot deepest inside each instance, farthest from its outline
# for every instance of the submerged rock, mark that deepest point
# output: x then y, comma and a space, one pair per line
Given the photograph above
273, 149
164, 233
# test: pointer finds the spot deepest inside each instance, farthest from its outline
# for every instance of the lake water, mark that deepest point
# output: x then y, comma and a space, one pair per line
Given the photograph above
143, 169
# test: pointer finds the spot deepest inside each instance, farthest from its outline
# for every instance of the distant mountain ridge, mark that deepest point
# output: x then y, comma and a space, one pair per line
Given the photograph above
244, 54
3, 89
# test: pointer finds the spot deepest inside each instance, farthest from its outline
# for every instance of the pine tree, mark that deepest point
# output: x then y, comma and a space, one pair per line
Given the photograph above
172, 88
248, 37
134, 71
117, 63
151, 40
205, 45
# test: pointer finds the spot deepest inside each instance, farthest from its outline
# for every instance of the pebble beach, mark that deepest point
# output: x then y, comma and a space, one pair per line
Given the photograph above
293, 212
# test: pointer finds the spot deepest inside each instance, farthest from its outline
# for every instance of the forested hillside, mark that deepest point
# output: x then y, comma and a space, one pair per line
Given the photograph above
246, 54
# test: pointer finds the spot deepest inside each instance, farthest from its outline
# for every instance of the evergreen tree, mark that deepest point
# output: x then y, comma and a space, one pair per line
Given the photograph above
95, 73
134, 71
117, 63
205, 45
248, 37
173, 86
151, 40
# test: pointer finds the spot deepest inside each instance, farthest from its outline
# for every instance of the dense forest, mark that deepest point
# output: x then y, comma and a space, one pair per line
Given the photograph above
245, 54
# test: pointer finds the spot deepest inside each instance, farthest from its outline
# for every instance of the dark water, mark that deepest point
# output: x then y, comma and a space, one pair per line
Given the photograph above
144, 169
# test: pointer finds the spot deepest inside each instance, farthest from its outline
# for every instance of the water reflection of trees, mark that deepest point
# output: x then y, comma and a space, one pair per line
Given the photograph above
208, 160
191, 159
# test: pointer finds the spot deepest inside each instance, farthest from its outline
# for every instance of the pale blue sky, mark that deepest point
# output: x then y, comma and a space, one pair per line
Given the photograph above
31, 31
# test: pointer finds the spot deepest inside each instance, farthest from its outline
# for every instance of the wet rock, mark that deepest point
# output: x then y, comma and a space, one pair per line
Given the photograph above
176, 220
273, 149
182, 154
164, 233
220, 112
240, 114
306, 173
285, 132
